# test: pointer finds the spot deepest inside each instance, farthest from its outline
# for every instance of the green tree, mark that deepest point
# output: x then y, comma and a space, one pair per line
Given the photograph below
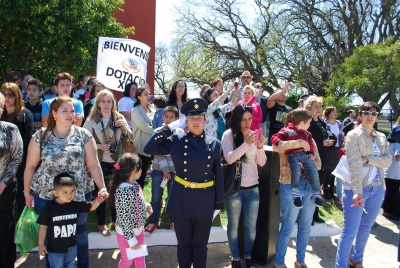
45, 37
371, 72
278, 40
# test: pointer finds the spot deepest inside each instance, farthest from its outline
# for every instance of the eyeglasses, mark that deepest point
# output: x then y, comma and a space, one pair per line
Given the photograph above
8, 95
259, 87
181, 86
368, 113
246, 77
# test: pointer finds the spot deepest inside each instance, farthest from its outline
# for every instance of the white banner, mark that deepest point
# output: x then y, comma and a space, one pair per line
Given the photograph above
121, 61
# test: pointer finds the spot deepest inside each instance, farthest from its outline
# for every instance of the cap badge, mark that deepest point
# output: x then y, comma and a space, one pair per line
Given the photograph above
196, 106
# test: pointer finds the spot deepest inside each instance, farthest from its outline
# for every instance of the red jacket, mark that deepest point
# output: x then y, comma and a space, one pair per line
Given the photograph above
290, 133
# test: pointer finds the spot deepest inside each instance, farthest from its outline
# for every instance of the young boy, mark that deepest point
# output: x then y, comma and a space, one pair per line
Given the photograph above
63, 86
163, 169
58, 221
35, 102
159, 104
299, 121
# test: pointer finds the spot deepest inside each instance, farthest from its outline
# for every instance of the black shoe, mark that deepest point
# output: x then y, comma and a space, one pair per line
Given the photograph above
390, 216
317, 201
250, 263
318, 219
235, 264
297, 202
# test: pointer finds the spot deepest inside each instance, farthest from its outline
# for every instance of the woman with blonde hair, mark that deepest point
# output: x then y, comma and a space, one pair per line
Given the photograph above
322, 139
108, 128
63, 147
15, 112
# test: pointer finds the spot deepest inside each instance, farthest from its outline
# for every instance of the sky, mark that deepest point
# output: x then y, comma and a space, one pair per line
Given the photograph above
165, 25
165, 19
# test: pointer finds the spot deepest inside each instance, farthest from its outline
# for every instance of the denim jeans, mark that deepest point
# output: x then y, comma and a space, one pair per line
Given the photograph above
289, 215
156, 194
82, 239
247, 202
309, 166
357, 225
63, 260
339, 185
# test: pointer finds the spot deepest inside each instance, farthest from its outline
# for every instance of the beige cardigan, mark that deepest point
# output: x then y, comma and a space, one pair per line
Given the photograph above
359, 145
141, 127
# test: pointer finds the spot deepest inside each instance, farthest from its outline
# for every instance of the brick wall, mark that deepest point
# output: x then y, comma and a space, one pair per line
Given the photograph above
142, 15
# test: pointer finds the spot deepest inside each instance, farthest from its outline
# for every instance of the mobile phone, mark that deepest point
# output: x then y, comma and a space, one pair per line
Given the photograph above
163, 183
258, 131
292, 86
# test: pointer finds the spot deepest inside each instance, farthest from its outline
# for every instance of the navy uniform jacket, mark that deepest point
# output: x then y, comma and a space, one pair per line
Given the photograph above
196, 159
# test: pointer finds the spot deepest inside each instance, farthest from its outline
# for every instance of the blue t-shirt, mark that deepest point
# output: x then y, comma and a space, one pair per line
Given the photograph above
78, 106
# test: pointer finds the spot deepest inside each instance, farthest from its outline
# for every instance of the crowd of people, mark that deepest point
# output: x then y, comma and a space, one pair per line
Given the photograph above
64, 153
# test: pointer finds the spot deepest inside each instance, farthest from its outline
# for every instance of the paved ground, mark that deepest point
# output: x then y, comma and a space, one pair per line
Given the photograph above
381, 252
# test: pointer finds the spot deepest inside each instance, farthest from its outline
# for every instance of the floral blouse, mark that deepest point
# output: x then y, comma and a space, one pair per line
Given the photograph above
10, 152
211, 125
62, 155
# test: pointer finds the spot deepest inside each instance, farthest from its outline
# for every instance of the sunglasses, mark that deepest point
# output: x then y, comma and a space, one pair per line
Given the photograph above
259, 87
246, 77
368, 113
8, 95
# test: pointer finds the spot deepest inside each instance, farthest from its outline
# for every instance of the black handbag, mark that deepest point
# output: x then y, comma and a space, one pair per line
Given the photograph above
232, 176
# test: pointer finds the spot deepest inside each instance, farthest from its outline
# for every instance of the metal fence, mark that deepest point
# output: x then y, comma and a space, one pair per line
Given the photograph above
387, 118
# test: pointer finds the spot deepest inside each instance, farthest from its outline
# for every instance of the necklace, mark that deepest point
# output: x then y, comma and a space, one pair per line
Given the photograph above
69, 130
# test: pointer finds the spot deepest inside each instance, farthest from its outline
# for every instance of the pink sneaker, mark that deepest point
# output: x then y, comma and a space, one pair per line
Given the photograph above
172, 226
150, 229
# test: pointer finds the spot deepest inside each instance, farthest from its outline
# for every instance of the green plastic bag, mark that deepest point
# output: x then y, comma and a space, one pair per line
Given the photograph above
27, 231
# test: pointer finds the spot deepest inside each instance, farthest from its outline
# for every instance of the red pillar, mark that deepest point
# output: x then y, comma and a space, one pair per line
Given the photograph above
142, 15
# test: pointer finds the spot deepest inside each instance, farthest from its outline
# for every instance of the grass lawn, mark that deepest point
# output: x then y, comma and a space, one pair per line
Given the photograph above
329, 211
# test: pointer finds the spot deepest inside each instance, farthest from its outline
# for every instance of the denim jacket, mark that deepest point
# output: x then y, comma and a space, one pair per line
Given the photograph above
358, 145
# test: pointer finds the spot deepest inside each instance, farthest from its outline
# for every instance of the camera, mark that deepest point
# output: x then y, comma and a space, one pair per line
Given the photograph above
236, 84
113, 148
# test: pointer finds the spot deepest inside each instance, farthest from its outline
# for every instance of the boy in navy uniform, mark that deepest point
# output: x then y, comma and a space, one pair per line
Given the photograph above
198, 186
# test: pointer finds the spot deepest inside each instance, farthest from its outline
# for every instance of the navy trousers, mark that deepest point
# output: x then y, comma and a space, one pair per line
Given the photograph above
192, 235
